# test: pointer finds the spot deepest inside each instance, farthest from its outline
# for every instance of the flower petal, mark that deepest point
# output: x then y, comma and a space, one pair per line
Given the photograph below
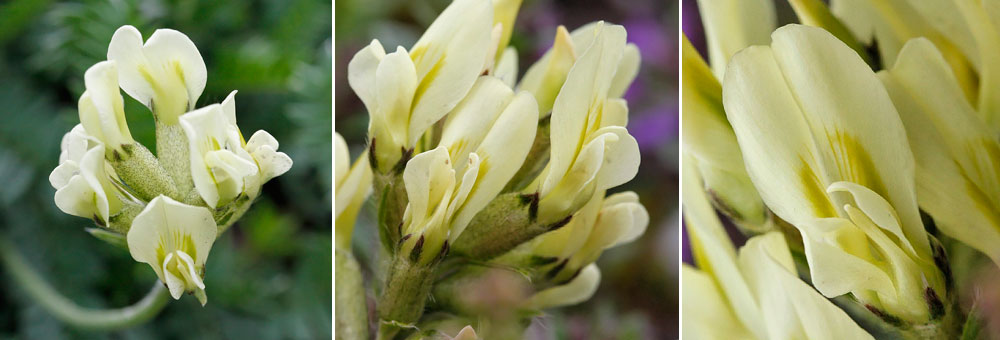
576, 291
165, 226
502, 151
628, 68
449, 58
956, 153
175, 52
584, 91
733, 25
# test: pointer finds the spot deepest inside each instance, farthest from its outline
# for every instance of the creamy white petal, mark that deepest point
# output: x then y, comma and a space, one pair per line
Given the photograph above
628, 69
361, 73
176, 54
395, 84
104, 116
714, 253
501, 153
711, 317
833, 132
166, 226
621, 158
576, 291
428, 178
264, 149
546, 76
219, 163
506, 67
956, 152
583, 93
731, 25
341, 161
126, 51
449, 58
470, 121
794, 309
565, 241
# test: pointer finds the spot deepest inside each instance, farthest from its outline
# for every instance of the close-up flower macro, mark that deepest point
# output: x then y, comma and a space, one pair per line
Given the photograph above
502, 170
841, 169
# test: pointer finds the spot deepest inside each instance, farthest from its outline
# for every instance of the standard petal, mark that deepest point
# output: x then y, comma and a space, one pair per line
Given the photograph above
101, 81
955, 151
856, 128
585, 89
361, 73
470, 121
178, 56
501, 153
448, 58
125, 50
546, 76
784, 167
628, 68
395, 84
171, 225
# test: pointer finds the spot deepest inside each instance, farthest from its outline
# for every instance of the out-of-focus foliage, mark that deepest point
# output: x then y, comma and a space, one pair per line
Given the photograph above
270, 275
637, 296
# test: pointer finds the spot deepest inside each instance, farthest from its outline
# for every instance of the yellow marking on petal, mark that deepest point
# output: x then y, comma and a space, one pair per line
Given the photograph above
815, 191
428, 78
855, 163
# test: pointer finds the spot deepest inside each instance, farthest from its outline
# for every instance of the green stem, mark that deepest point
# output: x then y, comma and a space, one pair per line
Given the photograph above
69, 312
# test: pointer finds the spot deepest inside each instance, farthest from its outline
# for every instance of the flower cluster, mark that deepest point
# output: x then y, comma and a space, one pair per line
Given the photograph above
804, 130
471, 168
168, 207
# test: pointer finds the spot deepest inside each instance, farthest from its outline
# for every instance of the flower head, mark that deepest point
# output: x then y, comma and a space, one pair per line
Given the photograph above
223, 165
590, 148
407, 91
484, 142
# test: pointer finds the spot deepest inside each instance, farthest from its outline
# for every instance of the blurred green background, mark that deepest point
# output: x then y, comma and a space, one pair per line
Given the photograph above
637, 298
270, 275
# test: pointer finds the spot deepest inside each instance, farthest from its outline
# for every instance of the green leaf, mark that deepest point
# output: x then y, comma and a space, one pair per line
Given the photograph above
110, 237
